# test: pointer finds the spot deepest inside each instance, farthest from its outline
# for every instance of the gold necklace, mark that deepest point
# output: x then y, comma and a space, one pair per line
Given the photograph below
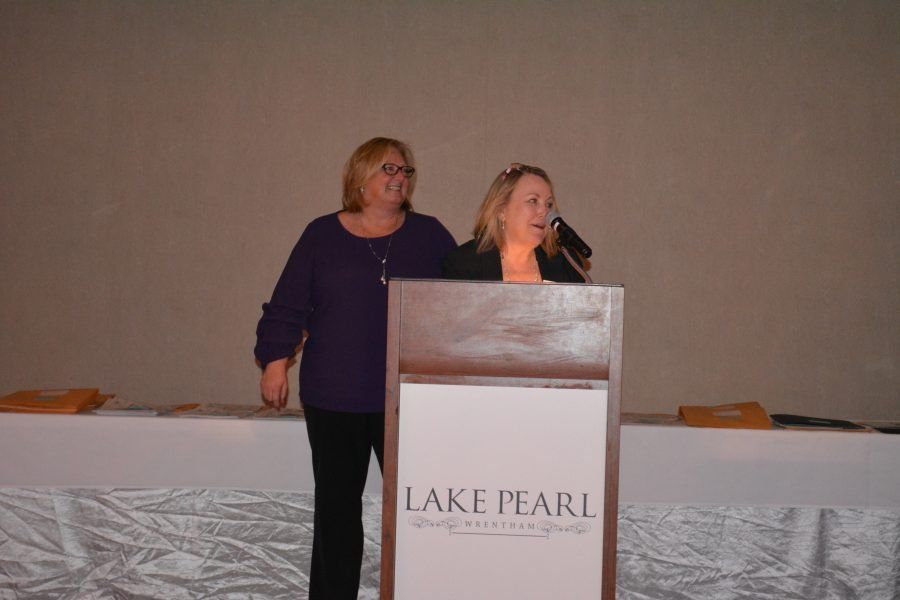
536, 271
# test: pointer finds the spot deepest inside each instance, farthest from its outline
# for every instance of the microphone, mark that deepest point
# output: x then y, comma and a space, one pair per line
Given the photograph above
567, 235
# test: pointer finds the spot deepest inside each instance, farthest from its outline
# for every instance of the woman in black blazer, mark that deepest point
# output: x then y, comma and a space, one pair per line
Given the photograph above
512, 240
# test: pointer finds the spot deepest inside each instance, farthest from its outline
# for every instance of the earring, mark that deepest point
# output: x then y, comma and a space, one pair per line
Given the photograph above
362, 190
502, 225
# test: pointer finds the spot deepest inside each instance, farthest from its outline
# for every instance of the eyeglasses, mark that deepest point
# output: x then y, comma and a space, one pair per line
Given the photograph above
391, 169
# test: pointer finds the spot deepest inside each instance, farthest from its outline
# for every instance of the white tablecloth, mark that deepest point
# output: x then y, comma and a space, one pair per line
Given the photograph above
224, 510
658, 464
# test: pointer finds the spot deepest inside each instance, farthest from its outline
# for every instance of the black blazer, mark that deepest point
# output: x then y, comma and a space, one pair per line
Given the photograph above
465, 263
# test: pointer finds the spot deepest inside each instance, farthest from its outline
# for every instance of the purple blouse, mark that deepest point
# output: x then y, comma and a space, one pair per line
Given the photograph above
331, 287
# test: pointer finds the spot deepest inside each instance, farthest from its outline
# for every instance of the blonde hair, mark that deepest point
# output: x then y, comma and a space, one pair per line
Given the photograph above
488, 231
365, 162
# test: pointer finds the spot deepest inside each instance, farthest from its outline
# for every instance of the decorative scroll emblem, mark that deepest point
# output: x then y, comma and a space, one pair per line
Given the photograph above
579, 528
449, 524
452, 523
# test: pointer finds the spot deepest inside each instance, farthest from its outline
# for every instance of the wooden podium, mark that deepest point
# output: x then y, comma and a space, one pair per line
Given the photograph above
501, 440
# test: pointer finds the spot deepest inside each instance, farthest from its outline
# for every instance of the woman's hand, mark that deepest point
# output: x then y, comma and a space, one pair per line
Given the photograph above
273, 385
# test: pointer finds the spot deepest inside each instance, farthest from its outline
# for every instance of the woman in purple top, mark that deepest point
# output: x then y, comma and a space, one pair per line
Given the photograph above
333, 294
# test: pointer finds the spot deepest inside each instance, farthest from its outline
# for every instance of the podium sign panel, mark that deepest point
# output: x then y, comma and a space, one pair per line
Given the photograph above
501, 450
497, 497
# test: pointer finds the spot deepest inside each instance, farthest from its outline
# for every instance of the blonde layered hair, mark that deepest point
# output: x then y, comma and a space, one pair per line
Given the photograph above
488, 230
365, 162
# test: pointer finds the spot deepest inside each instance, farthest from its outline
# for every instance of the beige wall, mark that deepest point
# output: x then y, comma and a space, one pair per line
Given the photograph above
734, 164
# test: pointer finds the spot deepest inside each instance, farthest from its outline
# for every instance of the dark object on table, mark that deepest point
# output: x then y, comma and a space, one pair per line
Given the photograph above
801, 422
883, 426
888, 429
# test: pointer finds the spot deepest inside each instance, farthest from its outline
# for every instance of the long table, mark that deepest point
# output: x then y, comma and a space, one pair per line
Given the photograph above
102, 506
668, 464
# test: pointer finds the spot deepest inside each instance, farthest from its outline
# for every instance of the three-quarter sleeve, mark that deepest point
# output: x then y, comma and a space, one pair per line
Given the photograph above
280, 330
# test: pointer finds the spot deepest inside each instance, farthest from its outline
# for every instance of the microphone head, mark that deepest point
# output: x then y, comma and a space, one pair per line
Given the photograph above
551, 218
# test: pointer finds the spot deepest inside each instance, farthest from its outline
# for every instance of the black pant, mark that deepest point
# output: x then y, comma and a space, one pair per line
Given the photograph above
341, 444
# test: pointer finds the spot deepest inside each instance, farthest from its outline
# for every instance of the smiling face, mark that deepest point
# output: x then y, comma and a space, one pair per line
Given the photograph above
383, 191
524, 215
